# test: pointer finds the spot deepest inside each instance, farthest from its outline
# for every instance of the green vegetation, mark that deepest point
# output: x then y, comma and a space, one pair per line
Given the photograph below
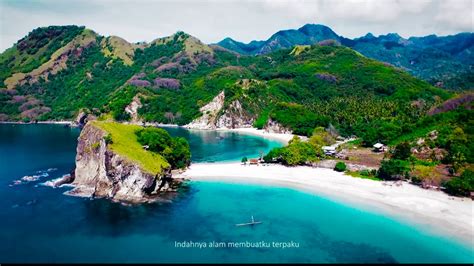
402, 151
244, 160
120, 100
95, 146
175, 150
365, 174
300, 152
454, 129
442, 60
35, 49
300, 91
261, 120
394, 169
125, 143
296, 153
425, 175
298, 118
88, 82
445, 141
117, 47
340, 167
462, 185
108, 139
312, 88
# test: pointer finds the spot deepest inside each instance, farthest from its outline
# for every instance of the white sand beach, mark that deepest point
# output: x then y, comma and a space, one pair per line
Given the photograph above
432, 210
283, 138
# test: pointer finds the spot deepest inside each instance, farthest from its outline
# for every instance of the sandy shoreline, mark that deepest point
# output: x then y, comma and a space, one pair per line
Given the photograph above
283, 138
280, 137
434, 211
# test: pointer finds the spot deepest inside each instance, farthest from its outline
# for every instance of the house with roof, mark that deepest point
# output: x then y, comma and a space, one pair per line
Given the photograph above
379, 147
254, 162
329, 150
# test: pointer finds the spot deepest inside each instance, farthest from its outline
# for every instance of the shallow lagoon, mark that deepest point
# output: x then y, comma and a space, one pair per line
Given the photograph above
41, 224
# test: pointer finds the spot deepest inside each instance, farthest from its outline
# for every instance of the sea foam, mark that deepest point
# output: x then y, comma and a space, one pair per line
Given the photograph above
52, 183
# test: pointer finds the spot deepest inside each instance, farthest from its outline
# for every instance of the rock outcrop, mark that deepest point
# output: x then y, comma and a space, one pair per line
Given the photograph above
132, 109
275, 127
235, 116
210, 113
213, 116
82, 118
101, 172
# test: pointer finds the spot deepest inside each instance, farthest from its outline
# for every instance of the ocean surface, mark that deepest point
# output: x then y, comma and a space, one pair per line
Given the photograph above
218, 146
40, 224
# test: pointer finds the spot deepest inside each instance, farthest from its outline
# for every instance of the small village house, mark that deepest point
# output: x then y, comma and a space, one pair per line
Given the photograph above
329, 150
253, 161
379, 147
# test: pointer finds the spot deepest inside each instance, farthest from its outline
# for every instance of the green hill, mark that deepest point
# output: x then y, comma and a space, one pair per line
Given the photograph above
173, 77
444, 61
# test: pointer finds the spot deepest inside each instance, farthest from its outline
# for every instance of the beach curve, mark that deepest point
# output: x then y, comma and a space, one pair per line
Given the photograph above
430, 210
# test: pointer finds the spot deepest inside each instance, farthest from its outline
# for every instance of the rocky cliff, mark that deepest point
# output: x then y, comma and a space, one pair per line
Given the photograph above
82, 118
101, 172
216, 115
235, 116
132, 109
273, 126
210, 114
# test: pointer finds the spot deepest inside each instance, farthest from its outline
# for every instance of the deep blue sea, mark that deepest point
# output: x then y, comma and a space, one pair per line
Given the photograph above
40, 224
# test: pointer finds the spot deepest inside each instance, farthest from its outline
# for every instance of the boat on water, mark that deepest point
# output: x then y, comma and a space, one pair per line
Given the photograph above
253, 222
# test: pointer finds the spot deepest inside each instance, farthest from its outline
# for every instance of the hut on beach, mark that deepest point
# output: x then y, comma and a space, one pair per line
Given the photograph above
253, 161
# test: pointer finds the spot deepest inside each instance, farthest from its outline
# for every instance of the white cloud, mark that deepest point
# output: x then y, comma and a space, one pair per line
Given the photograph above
414, 6
372, 10
213, 20
296, 8
457, 14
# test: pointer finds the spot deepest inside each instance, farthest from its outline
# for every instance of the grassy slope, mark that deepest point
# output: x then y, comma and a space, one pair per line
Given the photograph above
40, 44
355, 74
125, 144
116, 47
93, 81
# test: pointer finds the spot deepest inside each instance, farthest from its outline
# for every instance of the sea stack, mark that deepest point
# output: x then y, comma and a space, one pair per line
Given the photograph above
102, 171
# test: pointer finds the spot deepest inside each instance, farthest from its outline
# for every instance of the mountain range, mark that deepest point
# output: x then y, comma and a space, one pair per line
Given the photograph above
443, 61
66, 72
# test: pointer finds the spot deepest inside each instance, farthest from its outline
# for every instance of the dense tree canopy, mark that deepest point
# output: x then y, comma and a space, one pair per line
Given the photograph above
175, 150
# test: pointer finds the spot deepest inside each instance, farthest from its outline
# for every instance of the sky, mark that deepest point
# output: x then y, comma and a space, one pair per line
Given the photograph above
243, 20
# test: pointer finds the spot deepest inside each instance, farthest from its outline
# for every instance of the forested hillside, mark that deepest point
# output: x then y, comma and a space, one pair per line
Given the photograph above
444, 61
55, 72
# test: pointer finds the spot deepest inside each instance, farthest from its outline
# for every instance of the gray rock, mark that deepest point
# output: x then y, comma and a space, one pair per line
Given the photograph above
100, 172
235, 116
275, 127
82, 118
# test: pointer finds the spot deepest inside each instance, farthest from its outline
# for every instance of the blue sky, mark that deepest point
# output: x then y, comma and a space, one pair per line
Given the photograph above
244, 20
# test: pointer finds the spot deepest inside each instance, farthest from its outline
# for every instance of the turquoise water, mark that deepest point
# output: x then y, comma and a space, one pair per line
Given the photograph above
218, 146
39, 224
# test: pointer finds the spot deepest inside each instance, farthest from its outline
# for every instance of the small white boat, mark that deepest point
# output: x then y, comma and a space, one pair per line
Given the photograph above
253, 222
